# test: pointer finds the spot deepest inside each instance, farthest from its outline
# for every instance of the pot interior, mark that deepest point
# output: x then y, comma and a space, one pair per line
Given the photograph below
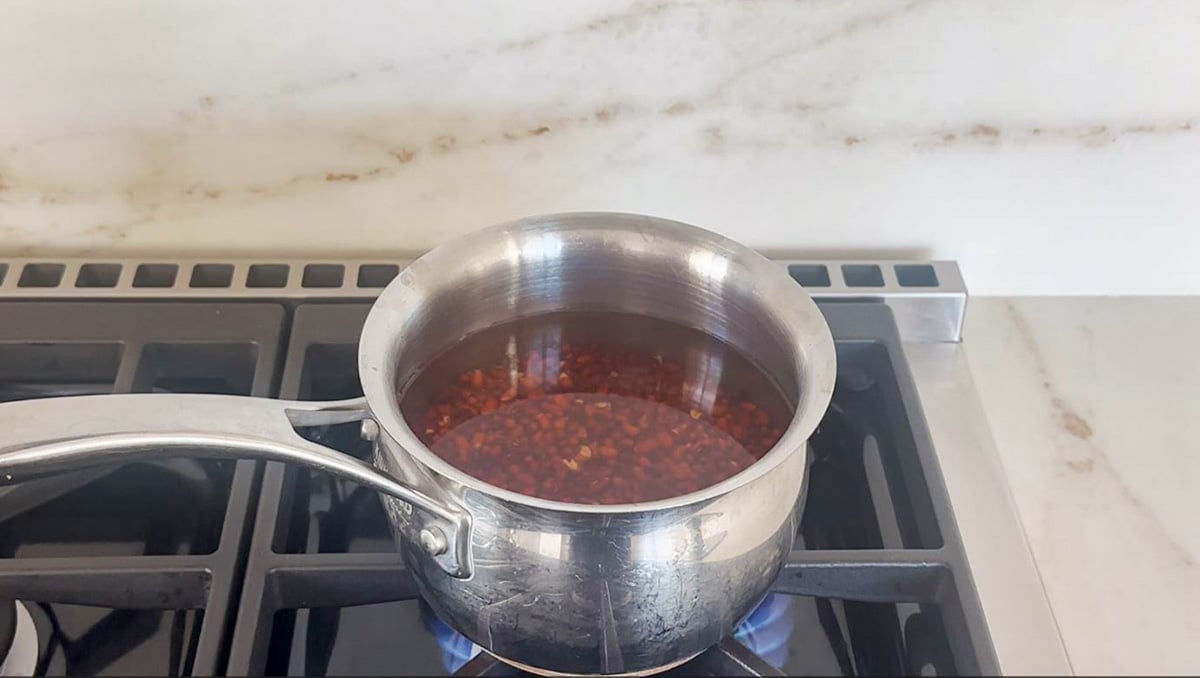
690, 277
596, 407
592, 263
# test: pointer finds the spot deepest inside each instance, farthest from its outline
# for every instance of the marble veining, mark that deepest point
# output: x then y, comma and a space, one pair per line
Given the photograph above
1041, 149
1090, 401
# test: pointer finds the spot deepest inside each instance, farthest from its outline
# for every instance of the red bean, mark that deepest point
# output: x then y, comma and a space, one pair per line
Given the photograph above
596, 425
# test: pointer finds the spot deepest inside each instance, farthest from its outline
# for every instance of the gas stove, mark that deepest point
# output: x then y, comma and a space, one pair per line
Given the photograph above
910, 557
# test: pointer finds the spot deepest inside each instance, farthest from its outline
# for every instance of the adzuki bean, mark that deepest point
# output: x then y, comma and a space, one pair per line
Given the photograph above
596, 422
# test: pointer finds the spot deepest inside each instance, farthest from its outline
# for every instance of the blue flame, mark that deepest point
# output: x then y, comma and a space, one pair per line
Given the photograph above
767, 630
456, 649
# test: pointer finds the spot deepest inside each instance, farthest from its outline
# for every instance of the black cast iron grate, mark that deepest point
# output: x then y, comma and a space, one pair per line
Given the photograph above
143, 568
133, 568
879, 579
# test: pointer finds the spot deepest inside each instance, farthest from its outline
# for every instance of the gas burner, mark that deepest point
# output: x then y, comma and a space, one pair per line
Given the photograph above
765, 633
768, 628
18, 640
457, 650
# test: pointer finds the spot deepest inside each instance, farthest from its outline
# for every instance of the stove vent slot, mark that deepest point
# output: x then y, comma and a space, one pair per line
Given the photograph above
862, 275
212, 275
323, 275
155, 275
41, 275
98, 275
810, 275
916, 275
268, 276
377, 275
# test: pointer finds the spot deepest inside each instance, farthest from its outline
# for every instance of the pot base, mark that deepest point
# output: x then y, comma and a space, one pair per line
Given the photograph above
556, 674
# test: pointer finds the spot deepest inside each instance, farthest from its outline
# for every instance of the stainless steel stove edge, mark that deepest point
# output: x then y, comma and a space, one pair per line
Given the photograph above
1021, 623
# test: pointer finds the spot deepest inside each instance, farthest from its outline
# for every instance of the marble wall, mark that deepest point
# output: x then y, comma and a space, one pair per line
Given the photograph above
1048, 146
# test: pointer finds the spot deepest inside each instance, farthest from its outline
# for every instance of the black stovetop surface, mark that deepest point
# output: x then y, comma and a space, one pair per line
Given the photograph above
198, 567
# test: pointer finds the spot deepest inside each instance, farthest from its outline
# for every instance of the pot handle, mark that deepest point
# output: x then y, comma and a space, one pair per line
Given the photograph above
59, 434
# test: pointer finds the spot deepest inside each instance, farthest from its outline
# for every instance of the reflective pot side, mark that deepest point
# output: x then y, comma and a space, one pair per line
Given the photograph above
582, 592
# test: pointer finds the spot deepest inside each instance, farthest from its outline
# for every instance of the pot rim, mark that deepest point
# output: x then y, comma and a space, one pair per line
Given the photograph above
808, 331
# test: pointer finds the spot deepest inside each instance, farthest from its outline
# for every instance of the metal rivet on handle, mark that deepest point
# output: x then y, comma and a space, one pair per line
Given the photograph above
369, 430
433, 540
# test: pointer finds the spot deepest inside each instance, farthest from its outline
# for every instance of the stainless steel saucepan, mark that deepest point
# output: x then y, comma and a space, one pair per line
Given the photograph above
548, 586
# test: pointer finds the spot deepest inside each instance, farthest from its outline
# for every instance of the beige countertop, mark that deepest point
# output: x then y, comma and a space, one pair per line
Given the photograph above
1094, 403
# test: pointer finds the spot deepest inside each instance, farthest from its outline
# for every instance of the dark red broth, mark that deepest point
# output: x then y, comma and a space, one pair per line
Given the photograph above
596, 408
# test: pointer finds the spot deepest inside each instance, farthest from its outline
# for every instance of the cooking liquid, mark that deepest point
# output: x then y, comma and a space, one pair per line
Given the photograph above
596, 408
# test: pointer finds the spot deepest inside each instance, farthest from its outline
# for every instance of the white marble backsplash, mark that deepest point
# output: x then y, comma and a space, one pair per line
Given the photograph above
1048, 146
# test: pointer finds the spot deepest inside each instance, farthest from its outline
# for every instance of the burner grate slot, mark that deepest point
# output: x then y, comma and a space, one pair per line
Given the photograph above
221, 368
43, 369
